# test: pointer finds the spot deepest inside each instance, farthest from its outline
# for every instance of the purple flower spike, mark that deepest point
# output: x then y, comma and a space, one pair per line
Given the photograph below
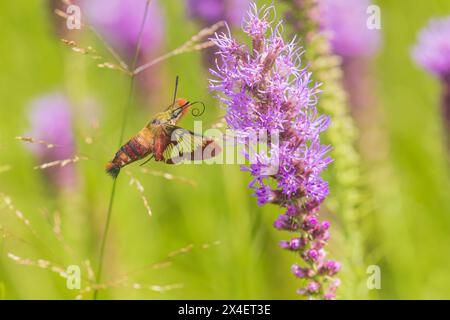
211, 11
346, 24
309, 223
285, 244
285, 222
330, 292
51, 121
325, 225
265, 194
292, 211
295, 244
313, 287
264, 89
432, 50
312, 254
302, 273
119, 21
330, 268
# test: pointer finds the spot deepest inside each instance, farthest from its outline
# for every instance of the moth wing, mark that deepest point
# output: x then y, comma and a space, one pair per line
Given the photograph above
185, 145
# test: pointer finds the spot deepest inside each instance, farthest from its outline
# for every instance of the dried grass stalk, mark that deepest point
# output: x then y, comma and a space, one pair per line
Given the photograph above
61, 163
169, 176
193, 44
36, 141
140, 188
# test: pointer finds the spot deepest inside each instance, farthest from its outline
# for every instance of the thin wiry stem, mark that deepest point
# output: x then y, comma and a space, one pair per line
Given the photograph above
122, 131
109, 48
96, 33
193, 44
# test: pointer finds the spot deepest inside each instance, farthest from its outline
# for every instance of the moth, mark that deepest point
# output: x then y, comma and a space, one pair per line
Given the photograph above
161, 139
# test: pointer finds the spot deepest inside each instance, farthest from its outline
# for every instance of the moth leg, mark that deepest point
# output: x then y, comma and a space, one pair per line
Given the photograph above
150, 158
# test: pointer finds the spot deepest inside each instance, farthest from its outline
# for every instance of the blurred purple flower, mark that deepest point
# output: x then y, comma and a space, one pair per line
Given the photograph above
51, 120
119, 21
208, 12
432, 50
211, 11
264, 89
346, 22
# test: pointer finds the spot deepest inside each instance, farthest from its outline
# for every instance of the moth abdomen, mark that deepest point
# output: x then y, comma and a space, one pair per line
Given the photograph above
131, 151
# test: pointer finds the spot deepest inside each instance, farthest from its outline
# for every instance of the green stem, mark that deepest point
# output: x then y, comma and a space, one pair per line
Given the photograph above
122, 132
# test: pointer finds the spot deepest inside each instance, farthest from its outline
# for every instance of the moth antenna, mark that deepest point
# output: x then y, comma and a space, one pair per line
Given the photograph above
175, 91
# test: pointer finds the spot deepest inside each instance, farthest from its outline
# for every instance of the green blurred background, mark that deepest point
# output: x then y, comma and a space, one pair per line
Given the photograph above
406, 233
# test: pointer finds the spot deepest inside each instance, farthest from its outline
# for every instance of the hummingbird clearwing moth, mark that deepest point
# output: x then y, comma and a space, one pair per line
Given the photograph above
161, 139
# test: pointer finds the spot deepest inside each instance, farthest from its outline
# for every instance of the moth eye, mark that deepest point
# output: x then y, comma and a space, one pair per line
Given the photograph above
156, 121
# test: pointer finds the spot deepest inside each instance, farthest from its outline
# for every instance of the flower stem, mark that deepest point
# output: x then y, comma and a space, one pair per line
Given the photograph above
122, 132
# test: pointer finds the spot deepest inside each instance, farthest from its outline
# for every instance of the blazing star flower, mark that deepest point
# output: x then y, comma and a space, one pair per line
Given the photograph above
263, 88
211, 11
120, 21
346, 23
432, 50
50, 119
